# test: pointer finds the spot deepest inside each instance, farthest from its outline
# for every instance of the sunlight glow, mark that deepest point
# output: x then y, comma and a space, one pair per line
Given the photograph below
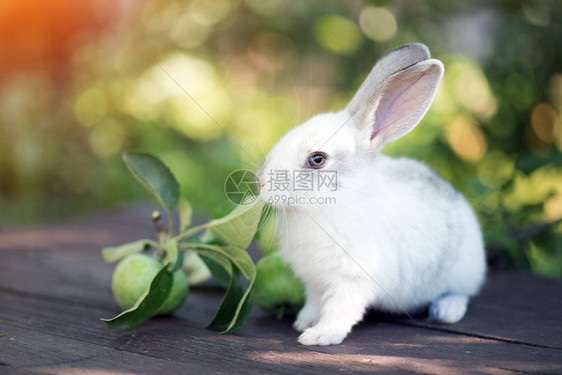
157, 97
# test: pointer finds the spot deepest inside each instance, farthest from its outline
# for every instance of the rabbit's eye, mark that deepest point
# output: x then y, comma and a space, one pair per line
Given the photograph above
316, 160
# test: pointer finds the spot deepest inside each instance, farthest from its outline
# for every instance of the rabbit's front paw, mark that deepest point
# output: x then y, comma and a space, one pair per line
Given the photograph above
302, 324
448, 309
316, 336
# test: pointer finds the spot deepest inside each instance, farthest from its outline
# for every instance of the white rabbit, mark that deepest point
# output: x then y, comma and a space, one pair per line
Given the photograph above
389, 233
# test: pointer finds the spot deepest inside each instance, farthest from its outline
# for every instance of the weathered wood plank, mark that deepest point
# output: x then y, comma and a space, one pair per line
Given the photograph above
33, 351
54, 285
31, 260
514, 306
69, 255
268, 345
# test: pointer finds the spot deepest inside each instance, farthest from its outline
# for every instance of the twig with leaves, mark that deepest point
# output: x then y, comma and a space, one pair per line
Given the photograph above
221, 243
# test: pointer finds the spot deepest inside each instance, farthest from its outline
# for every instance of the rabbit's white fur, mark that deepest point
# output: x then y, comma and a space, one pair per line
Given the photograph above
395, 236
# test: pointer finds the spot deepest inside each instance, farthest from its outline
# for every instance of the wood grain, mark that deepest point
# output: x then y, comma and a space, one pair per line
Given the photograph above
54, 287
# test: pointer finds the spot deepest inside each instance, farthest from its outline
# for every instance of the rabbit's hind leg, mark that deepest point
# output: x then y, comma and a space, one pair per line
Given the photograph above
448, 309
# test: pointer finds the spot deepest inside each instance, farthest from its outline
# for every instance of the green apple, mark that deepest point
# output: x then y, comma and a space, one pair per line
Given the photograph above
276, 289
133, 275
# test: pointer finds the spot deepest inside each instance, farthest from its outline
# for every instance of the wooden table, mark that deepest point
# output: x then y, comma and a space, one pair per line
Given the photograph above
54, 287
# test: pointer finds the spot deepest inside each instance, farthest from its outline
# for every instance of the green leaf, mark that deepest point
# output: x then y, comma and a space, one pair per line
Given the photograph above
185, 212
229, 304
239, 226
221, 272
239, 257
242, 314
147, 305
242, 261
235, 305
208, 249
113, 253
155, 176
242, 310
234, 308
223, 210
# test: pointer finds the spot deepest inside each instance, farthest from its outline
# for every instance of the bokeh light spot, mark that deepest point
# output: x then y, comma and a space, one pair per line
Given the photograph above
377, 23
471, 88
553, 207
159, 96
273, 51
542, 186
106, 139
156, 17
189, 32
90, 107
338, 34
537, 12
543, 120
265, 7
209, 12
466, 139
495, 169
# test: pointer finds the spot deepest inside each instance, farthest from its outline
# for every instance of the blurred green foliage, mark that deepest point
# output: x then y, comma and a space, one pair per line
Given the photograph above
255, 68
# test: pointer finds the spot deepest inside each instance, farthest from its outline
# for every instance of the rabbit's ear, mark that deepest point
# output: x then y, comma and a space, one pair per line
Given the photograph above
400, 102
393, 62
